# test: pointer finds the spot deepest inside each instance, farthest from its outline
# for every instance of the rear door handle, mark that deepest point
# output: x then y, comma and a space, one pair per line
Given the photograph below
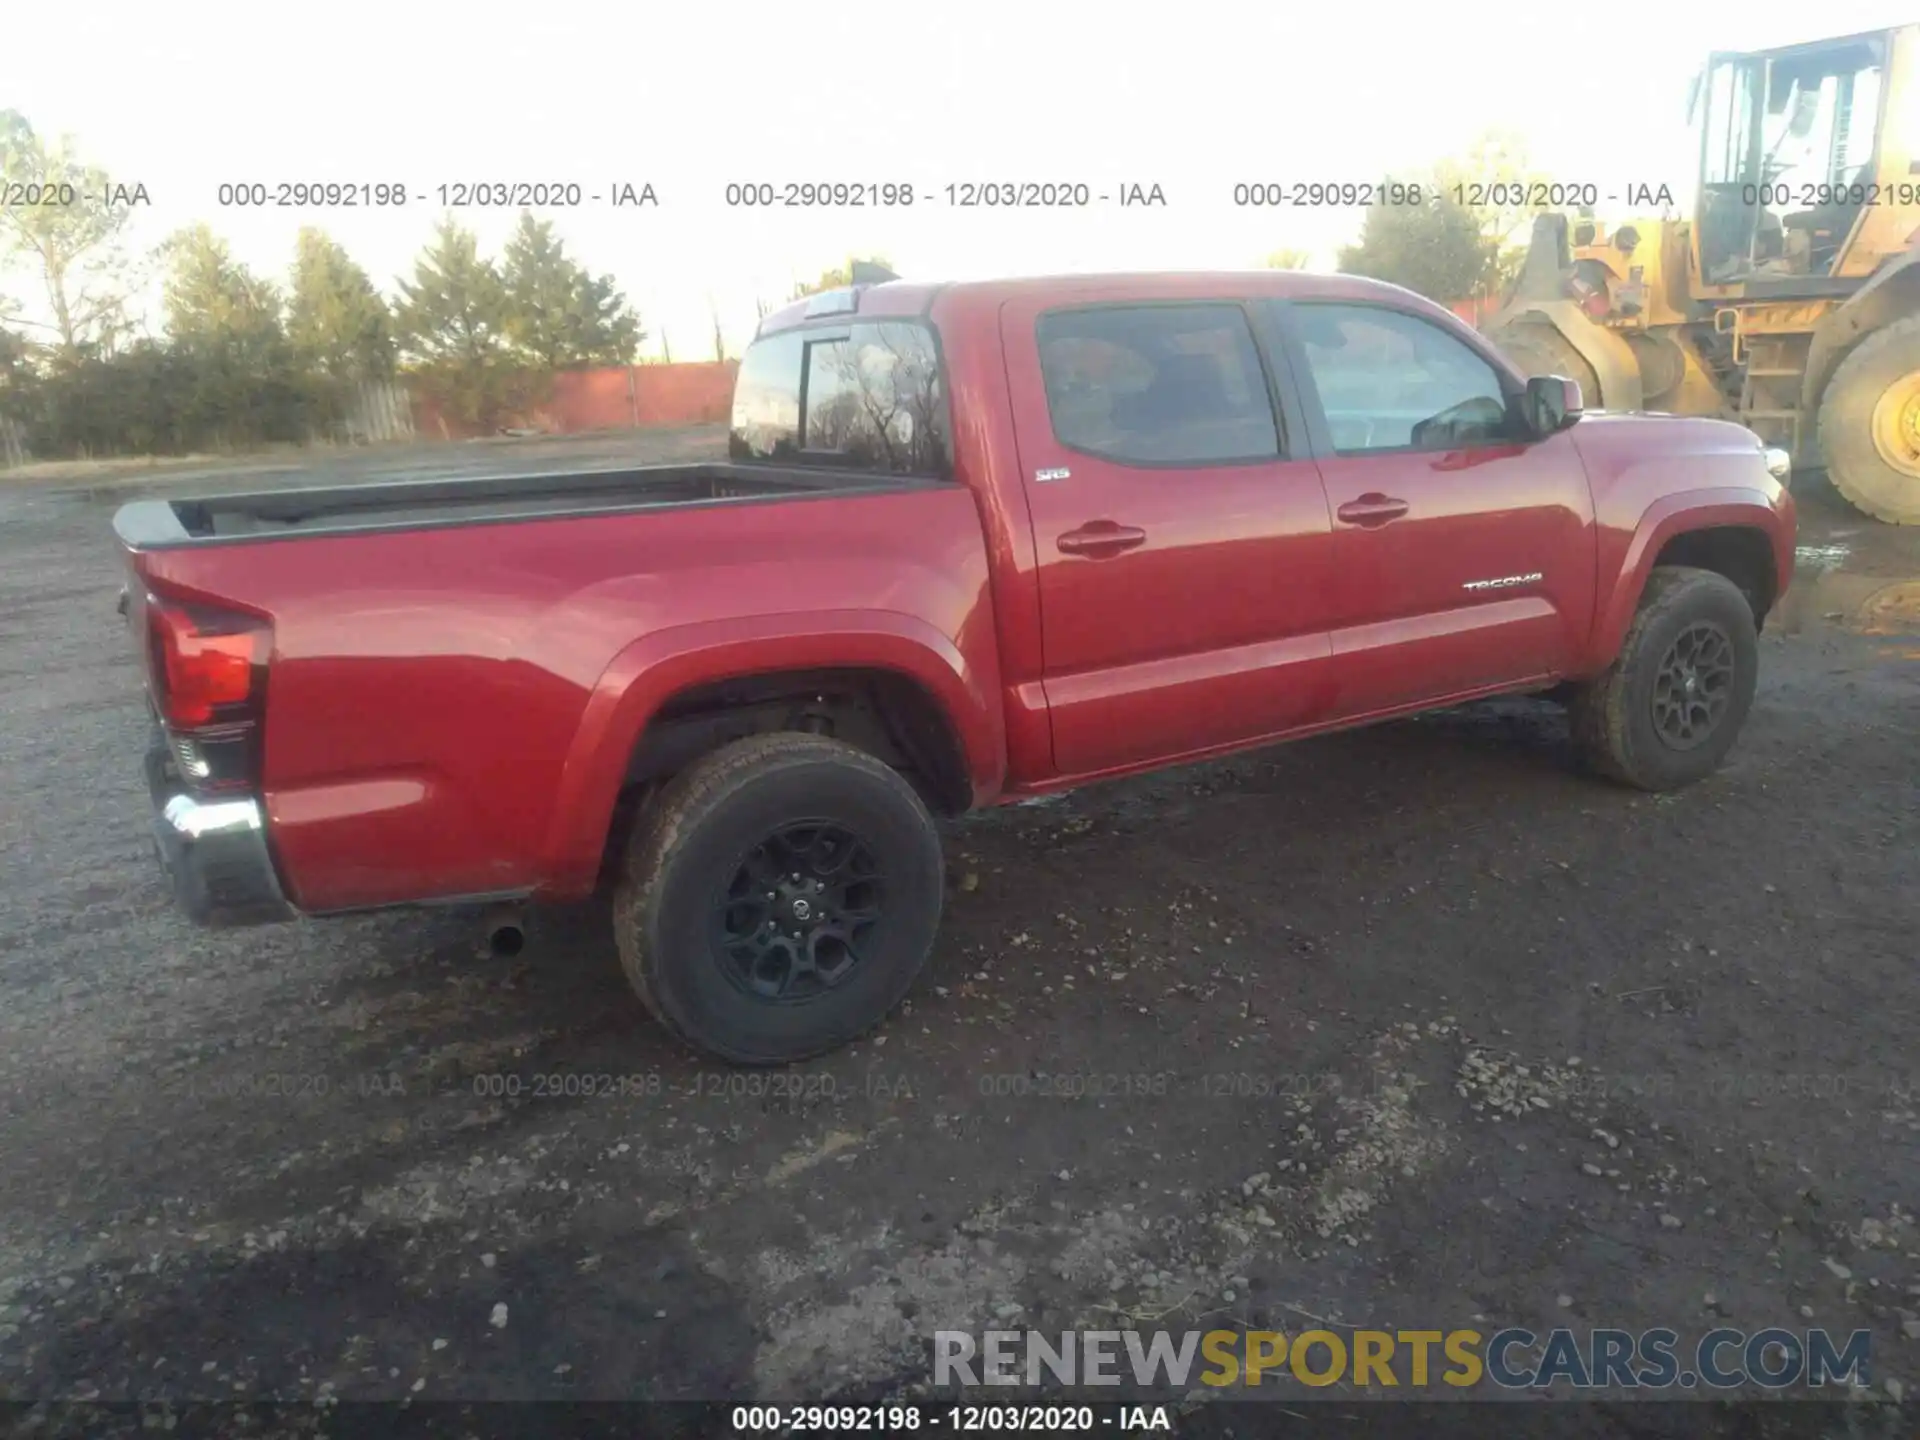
1098, 538
1372, 509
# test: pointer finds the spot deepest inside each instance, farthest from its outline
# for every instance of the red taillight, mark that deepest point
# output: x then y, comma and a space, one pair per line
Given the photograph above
203, 663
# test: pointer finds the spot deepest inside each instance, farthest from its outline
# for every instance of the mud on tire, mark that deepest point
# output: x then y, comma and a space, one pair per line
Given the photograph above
778, 898
1668, 710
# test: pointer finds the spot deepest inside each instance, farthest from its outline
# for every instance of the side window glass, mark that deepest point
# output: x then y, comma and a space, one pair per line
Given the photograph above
1157, 385
1391, 381
875, 400
865, 397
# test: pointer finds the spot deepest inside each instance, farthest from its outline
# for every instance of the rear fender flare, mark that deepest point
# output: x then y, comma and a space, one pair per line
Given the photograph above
651, 670
1677, 515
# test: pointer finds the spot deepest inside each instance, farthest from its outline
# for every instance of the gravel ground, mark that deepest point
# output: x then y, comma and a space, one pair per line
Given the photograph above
1408, 1027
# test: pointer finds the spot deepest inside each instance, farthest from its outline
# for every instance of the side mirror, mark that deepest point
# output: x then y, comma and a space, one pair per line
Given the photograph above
1551, 404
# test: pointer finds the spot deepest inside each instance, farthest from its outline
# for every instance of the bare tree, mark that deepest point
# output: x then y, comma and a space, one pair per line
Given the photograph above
73, 241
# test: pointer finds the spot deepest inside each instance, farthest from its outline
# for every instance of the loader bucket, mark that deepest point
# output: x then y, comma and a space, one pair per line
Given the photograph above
1543, 275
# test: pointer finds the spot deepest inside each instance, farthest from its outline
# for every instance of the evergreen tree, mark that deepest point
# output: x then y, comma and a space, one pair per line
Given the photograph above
212, 300
560, 317
339, 326
224, 322
452, 326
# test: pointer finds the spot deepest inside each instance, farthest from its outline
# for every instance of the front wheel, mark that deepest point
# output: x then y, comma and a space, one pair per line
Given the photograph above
1870, 424
1668, 709
778, 898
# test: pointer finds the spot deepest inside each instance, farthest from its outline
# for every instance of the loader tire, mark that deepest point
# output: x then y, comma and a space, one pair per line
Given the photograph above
1669, 708
1870, 424
778, 898
1536, 347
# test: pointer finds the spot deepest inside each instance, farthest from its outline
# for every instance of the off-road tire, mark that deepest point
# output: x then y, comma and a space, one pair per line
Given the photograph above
1612, 717
1534, 345
1854, 463
690, 841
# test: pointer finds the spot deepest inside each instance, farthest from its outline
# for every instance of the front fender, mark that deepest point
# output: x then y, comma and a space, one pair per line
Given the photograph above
645, 675
1678, 514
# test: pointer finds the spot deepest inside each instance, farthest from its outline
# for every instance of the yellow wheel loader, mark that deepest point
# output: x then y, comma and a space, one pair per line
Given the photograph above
1790, 301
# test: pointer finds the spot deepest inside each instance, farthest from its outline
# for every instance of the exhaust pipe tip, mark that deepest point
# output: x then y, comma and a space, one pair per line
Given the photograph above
503, 930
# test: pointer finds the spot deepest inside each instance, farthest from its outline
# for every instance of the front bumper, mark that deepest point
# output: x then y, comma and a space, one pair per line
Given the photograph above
214, 852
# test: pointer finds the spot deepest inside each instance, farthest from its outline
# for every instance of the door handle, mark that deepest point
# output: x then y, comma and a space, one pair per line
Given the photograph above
1372, 509
1099, 538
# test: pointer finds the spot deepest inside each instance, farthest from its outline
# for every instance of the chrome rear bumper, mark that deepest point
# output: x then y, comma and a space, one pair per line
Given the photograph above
214, 852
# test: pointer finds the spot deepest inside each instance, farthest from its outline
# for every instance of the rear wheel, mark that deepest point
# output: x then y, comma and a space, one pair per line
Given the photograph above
1870, 424
1668, 710
778, 898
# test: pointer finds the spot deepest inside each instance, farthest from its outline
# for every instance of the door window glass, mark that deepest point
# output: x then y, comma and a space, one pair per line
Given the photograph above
1392, 381
1158, 384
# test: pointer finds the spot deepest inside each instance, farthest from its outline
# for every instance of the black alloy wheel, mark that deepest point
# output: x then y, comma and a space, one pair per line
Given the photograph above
1693, 685
799, 907
778, 896
1667, 711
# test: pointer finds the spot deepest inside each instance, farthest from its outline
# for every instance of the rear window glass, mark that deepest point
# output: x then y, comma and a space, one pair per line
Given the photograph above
862, 397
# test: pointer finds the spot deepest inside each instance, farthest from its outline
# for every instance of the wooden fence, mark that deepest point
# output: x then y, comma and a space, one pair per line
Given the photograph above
379, 412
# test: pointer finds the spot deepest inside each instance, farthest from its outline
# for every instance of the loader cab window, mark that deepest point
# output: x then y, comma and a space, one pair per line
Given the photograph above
1728, 217
1788, 154
865, 396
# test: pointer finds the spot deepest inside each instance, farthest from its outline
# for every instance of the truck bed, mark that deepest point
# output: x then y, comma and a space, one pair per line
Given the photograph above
418, 504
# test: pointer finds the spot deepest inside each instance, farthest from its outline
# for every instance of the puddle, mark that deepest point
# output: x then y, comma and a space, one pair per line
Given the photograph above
1862, 579
1821, 557
1890, 610
1863, 604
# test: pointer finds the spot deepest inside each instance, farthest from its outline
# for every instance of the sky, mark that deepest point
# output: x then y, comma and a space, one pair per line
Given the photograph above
1193, 97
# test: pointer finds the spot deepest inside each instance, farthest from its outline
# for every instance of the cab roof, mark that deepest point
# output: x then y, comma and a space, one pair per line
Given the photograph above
920, 298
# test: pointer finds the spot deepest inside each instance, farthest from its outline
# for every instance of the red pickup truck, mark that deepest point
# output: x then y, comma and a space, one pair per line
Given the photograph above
973, 542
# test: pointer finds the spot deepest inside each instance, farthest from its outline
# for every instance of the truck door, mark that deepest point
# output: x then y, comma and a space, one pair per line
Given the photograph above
1182, 533
1463, 551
